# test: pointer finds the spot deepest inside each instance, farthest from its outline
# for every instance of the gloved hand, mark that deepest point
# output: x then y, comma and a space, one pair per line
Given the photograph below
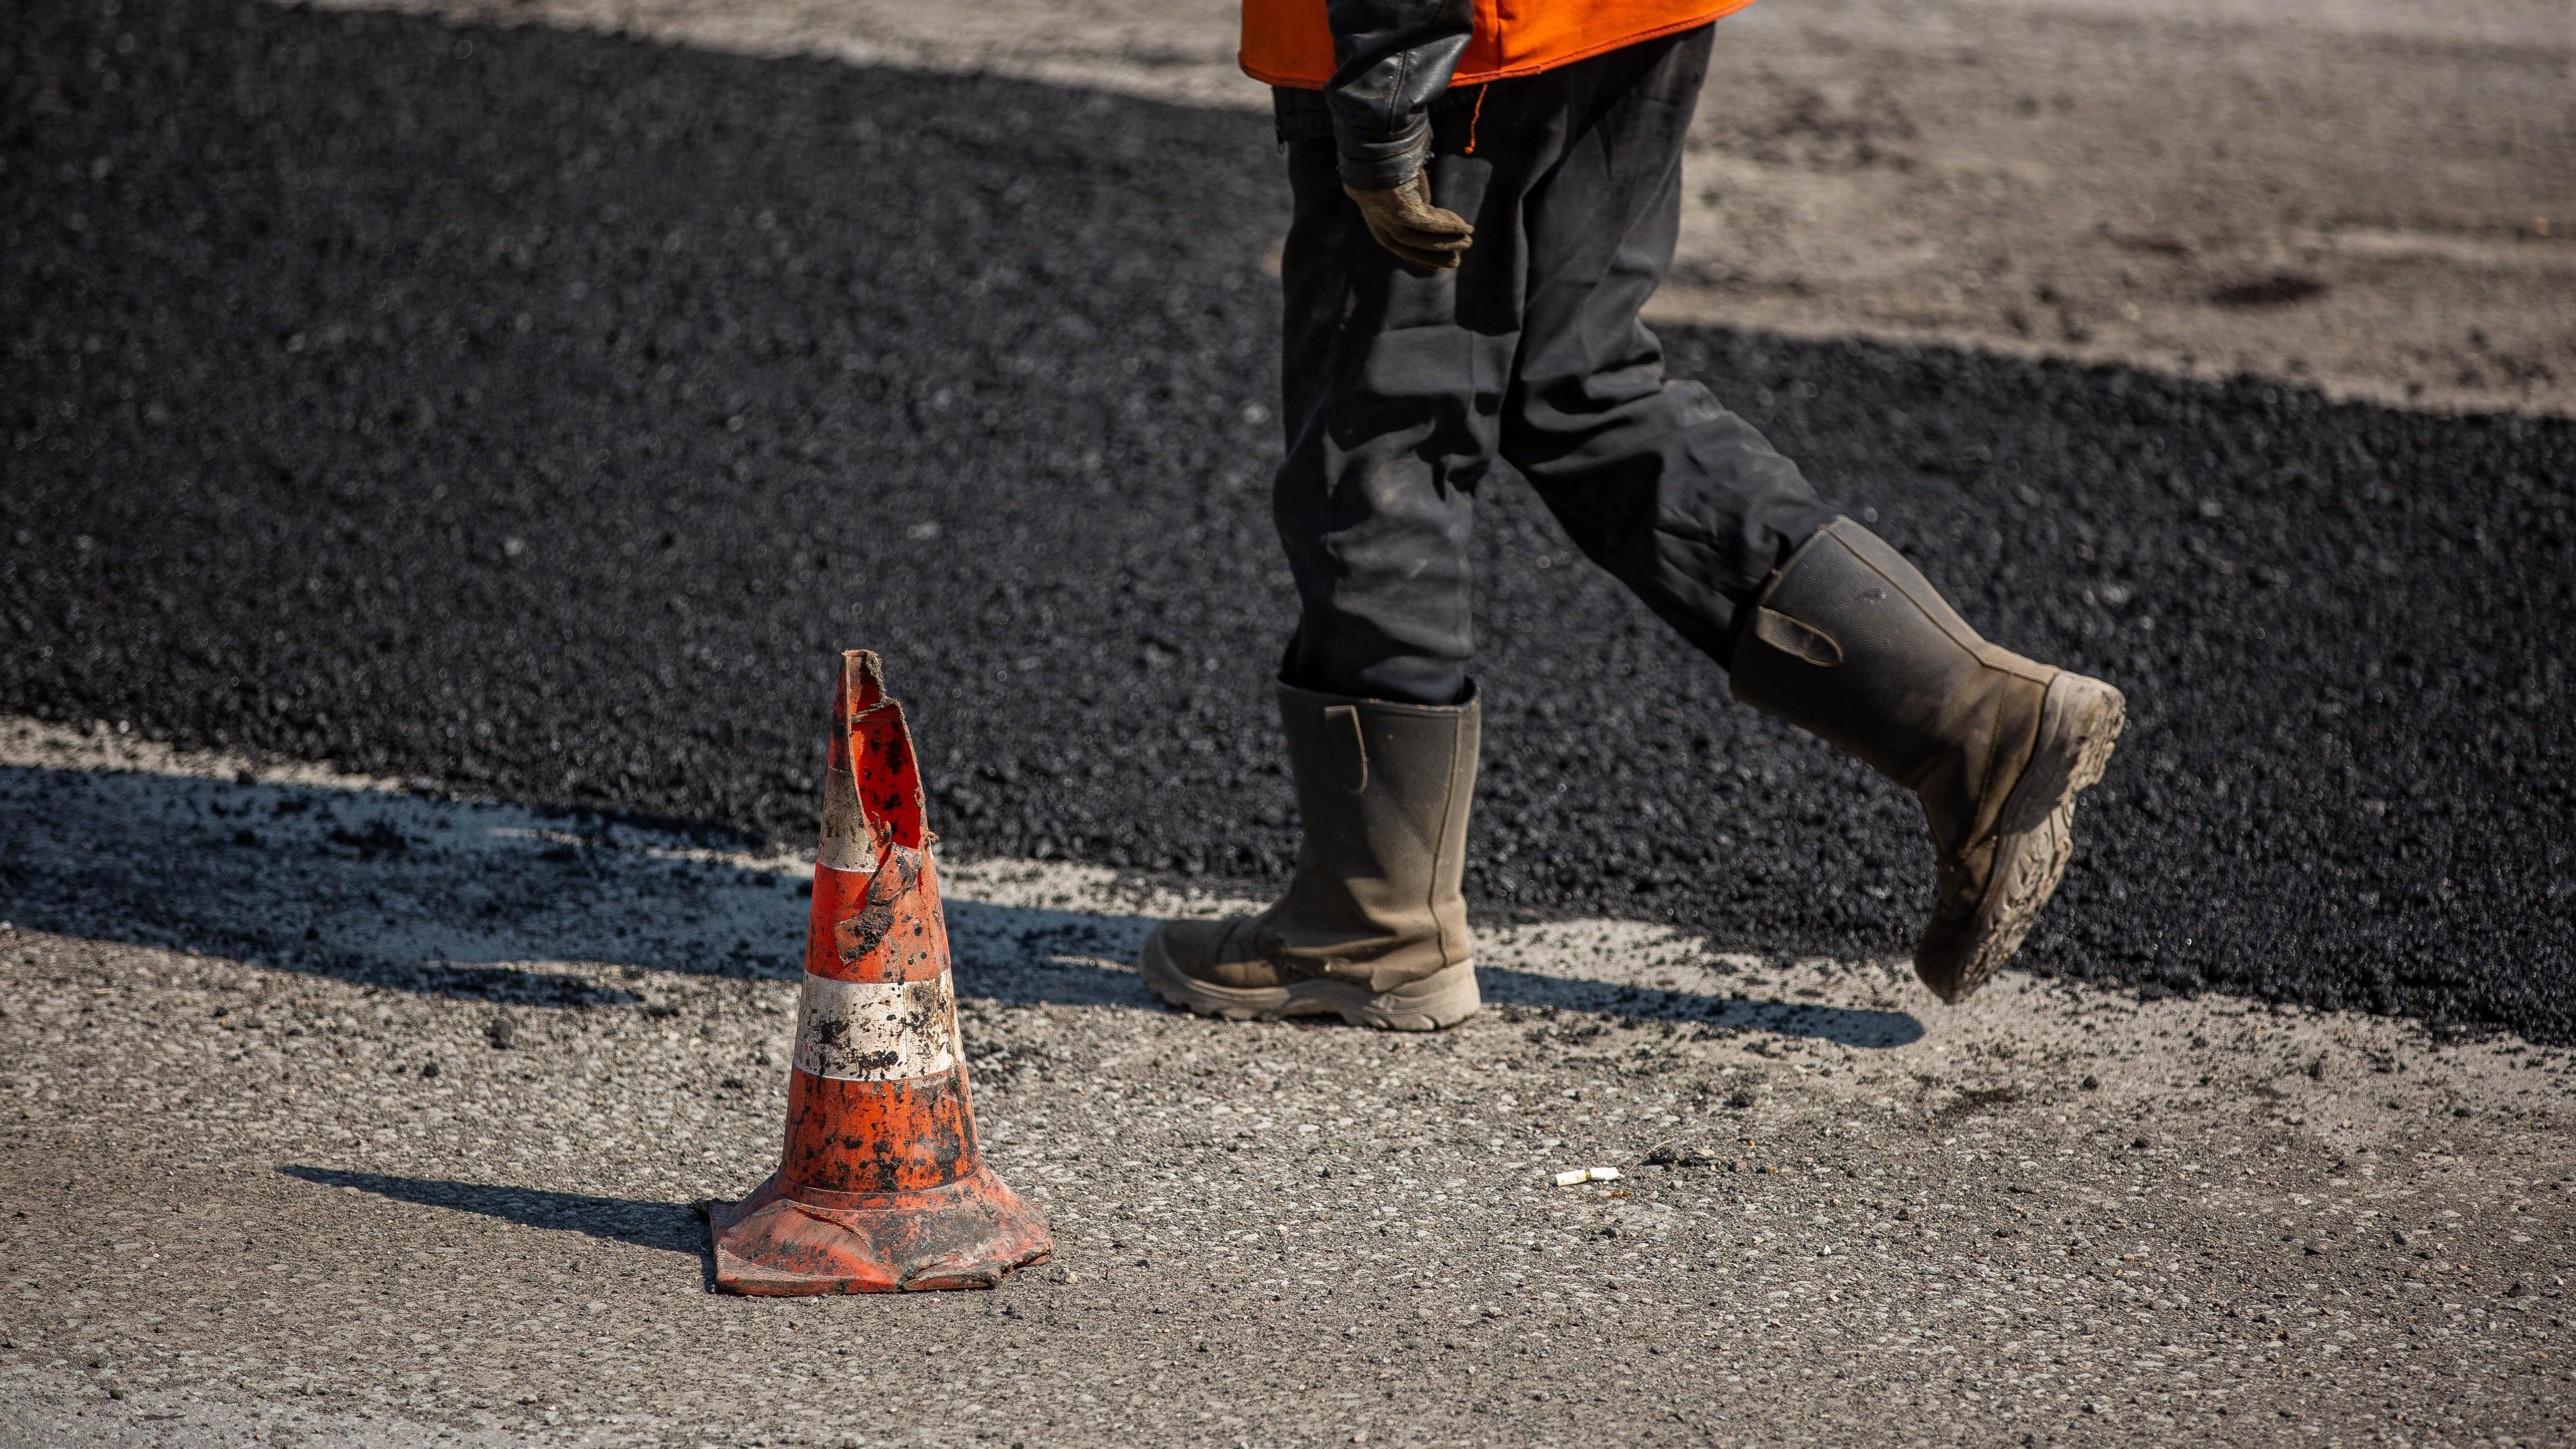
1405, 222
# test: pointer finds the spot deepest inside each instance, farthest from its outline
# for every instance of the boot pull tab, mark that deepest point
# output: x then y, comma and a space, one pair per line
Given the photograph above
1800, 640
1350, 748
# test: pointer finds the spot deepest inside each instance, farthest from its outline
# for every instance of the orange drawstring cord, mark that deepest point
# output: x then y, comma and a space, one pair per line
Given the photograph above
1474, 116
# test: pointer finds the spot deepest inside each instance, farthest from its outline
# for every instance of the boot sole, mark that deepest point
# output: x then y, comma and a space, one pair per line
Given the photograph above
2080, 721
1443, 999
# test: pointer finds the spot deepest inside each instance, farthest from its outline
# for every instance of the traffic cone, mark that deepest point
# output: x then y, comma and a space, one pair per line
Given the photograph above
883, 1187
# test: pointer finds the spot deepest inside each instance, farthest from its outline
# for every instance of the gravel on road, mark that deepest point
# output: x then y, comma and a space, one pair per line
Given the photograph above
347, 1183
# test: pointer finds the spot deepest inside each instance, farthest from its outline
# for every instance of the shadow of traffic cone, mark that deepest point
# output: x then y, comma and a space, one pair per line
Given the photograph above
883, 1187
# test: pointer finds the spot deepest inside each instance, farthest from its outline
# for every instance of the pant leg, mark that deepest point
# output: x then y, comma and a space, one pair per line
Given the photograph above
1679, 499
1392, 385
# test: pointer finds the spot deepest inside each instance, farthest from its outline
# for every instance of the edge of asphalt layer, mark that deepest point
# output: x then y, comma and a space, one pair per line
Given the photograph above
298, 867
437, 469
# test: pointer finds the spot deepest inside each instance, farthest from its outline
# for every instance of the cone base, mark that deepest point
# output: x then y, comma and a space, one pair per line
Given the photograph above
968, 1234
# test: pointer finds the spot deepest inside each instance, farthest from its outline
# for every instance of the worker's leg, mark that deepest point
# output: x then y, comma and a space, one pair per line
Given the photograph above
1677, 497
1390, 408
1818, 620
1393, 381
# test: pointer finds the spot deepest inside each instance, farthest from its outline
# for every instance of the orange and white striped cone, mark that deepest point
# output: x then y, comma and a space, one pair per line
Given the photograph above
883, 1188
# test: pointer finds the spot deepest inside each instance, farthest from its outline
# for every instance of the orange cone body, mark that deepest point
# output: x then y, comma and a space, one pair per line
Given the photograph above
883, 1187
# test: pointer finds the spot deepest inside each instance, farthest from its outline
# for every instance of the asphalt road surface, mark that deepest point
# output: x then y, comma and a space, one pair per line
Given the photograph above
2368, 195
536, 412
404, 1153
440, 465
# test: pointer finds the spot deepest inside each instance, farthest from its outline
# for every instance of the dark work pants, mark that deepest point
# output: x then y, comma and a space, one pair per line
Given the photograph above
1401, 388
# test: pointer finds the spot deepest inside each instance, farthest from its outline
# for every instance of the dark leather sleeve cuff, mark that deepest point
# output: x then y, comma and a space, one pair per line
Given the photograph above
1378, 163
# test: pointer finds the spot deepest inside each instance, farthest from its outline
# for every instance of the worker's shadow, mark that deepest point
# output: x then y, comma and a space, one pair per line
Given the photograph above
546, 908
1081, 958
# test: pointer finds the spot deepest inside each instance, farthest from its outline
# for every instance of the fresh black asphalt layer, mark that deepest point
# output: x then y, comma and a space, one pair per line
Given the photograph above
535, 413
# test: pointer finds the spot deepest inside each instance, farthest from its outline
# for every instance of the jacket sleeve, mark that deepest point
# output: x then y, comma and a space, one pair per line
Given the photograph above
1391, 60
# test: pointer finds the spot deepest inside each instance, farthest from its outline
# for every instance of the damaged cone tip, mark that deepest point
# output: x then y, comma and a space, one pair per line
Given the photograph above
883, 1188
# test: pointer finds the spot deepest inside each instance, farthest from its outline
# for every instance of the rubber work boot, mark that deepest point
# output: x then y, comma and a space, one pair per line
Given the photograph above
1374, 927
1850, 643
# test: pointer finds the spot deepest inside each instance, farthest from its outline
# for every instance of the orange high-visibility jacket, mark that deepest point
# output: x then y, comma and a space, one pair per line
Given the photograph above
1288, 43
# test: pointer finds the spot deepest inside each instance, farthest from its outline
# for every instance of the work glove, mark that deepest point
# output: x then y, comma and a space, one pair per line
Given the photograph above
1405, 222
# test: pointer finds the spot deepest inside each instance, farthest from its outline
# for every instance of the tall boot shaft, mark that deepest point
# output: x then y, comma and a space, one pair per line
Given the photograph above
1373, 928
1852, 644
1383, 791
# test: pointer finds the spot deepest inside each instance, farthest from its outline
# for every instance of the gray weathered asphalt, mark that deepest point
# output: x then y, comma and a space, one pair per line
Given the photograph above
429, 1173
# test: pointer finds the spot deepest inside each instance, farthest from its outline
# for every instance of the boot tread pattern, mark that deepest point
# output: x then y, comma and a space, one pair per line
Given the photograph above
2079, 723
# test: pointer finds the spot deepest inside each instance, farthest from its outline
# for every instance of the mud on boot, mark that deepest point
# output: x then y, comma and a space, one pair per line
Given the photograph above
1373, 928
1851, 643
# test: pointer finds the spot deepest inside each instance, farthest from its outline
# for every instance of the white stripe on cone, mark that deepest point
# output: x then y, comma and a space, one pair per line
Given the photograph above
876, 1031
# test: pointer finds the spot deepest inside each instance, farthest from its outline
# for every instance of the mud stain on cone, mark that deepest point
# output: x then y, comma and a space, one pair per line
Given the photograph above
882, 1186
